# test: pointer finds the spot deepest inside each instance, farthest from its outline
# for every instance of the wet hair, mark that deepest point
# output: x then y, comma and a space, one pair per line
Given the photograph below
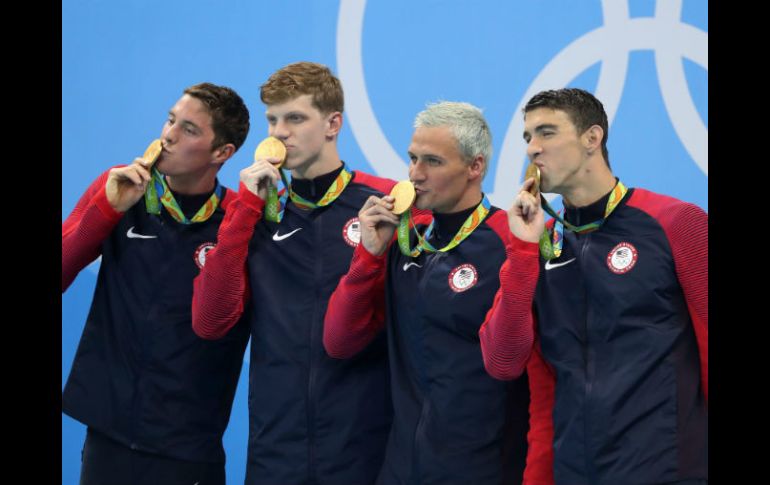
229, 114
582, 108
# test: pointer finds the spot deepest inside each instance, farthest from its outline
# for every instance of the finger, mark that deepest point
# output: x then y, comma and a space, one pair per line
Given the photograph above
272, 176
527, 186
131, 175
258, 173
266, 166
135, 173
529, 209
527, 198
388, 202
269, 161
518, 201
384, 218
141, 162
372, 201
379, 208
143, 172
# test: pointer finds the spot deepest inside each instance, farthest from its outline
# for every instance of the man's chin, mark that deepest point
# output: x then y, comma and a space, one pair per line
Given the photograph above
291, 163
422, 204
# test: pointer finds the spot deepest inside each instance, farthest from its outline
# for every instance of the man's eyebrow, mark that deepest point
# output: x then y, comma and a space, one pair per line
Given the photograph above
190, 123
540, 128
426, 156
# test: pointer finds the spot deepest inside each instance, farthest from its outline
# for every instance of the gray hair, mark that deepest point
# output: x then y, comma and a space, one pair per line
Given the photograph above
467, 124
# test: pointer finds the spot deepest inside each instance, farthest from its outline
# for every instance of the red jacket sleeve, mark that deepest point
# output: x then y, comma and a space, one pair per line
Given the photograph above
539, 469
686, 227
82, 233
507, 332
356, 311
687, 231
221, 289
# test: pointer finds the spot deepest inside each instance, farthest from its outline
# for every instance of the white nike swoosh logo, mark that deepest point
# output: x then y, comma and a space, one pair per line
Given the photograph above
549, 265
276, 237
132, 235
407, 265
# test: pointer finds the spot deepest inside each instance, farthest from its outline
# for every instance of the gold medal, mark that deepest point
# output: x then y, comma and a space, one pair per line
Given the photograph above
271, 147
533, 171
152, 153
404, 195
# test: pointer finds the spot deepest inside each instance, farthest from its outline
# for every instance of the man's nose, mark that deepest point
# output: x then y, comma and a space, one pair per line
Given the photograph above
279, 130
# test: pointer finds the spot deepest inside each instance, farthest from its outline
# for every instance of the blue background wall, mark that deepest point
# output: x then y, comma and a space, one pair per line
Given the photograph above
124, 64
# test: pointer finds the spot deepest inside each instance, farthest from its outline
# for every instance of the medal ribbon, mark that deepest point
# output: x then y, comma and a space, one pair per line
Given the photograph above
471, 223
157, 190
275, 205
552, 250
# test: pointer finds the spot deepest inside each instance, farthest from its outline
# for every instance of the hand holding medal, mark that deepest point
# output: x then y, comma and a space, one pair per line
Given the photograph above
126, 185
380, 216
271, 147
525, 217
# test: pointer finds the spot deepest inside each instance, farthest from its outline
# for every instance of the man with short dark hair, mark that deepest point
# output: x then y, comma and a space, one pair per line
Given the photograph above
619, 373
155, 397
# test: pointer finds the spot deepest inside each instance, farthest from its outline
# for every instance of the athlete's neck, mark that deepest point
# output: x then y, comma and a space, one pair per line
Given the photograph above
325, 161
192, 184
448, 223
590, 189
315, 188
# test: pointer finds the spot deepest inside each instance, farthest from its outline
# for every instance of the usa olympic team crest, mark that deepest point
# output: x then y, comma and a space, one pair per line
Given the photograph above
463, 278
352, 232
200, 254
622, 258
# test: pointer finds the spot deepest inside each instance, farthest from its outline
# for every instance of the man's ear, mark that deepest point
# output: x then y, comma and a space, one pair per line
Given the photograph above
592, 139
476, 167
333, 124
222, 153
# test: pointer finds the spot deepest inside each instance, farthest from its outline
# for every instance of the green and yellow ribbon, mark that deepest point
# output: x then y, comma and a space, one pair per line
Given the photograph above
275, 205
552, 250
471, 223
158, 193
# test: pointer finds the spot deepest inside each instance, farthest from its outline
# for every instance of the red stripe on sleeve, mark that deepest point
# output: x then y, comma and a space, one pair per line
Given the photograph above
686, 227
507, 332
221, 289
356, 311
88, 225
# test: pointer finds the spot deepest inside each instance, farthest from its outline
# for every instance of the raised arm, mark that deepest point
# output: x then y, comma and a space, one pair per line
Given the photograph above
96, 215
221, 289
356, 311
508, 332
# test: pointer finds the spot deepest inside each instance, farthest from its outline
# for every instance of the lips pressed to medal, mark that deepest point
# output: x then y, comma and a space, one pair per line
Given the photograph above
271, 147
404, 195
533, 171
152, 153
